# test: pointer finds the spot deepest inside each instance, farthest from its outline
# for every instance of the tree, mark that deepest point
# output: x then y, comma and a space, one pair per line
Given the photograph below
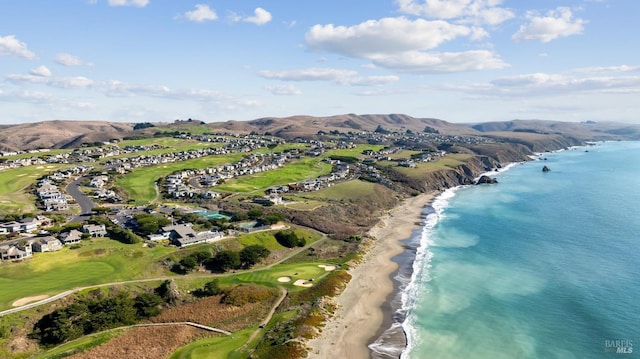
253, 254
290, 239
101, 210
240, 216
225, 260
272, 218
147, 305
254, 214
189, 263
212, 288
148, 224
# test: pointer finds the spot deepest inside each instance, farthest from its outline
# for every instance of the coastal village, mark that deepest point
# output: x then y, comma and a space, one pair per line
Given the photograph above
189, 184
252, 212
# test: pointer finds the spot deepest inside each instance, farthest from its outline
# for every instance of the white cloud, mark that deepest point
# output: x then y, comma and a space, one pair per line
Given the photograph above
70, 60
556, 23
312, 74
202, 13
260, 17
601, 69
9, 45
134, 3
387, 35
549, 84
284, 90
42, 71
444, 62
486, 12
368, 80
60, 82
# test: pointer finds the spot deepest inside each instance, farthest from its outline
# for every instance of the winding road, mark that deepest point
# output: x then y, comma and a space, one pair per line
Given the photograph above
86, 204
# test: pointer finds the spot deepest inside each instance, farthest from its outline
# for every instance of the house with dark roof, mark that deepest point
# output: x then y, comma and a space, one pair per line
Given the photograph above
183, 235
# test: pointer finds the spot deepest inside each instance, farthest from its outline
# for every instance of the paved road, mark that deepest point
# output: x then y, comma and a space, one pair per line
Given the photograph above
86, 204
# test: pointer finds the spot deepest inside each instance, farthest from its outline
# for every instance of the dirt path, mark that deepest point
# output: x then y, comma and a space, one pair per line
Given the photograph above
267, 319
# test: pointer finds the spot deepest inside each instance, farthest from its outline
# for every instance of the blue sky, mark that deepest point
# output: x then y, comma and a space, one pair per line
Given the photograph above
457, 60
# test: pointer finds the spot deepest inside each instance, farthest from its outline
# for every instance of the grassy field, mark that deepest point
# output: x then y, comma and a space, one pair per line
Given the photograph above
345, 190
450, 161
267, 239
295, 271
214, 348
13, 182
100, 260
139, 184
299, 170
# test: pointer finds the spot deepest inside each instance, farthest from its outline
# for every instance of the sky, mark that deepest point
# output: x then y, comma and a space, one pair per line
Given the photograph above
456, 60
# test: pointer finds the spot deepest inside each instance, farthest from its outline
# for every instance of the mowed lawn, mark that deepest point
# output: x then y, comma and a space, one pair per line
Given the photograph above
310, 272
99, 261
13, 183
213, 348
448, 162
344, 190
139, 184
298, 170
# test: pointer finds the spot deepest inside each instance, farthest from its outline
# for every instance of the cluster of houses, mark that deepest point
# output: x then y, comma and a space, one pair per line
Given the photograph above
181, 185
125, 164
340, 172
25, 247
42, 156
48, 193
98, 184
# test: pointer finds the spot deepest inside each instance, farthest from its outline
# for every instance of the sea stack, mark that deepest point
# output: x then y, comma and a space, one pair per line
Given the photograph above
486, 180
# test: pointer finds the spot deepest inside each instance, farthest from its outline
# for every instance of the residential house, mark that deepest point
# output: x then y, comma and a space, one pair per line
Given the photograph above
95, 230
29, 224
46, 244
15, 252
71, 237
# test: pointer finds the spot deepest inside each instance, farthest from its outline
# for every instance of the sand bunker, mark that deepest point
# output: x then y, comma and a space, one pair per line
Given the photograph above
284, 279
302, 283
27, 300
326, 267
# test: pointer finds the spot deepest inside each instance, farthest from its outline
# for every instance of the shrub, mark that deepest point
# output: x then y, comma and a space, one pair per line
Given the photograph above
290, 239
247, 293
253, 254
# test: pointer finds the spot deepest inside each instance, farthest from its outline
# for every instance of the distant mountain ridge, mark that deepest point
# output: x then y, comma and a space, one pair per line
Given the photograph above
68, 134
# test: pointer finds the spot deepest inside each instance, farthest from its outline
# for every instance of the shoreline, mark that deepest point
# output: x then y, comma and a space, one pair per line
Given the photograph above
364, 307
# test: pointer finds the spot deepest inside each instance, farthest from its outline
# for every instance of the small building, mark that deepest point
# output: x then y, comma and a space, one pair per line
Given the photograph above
29, 224
15, 252
71, 237
46, 244
95, 230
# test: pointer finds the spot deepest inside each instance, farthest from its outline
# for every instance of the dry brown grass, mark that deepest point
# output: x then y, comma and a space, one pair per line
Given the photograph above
145, 343
209, 311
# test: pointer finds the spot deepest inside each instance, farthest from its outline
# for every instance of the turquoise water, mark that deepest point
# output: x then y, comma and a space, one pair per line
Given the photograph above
211, 214
541, 265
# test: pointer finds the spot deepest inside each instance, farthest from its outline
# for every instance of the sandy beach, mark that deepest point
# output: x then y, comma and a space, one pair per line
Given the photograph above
360, 314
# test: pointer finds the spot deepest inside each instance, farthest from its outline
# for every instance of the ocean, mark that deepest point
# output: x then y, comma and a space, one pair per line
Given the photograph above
540, 265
